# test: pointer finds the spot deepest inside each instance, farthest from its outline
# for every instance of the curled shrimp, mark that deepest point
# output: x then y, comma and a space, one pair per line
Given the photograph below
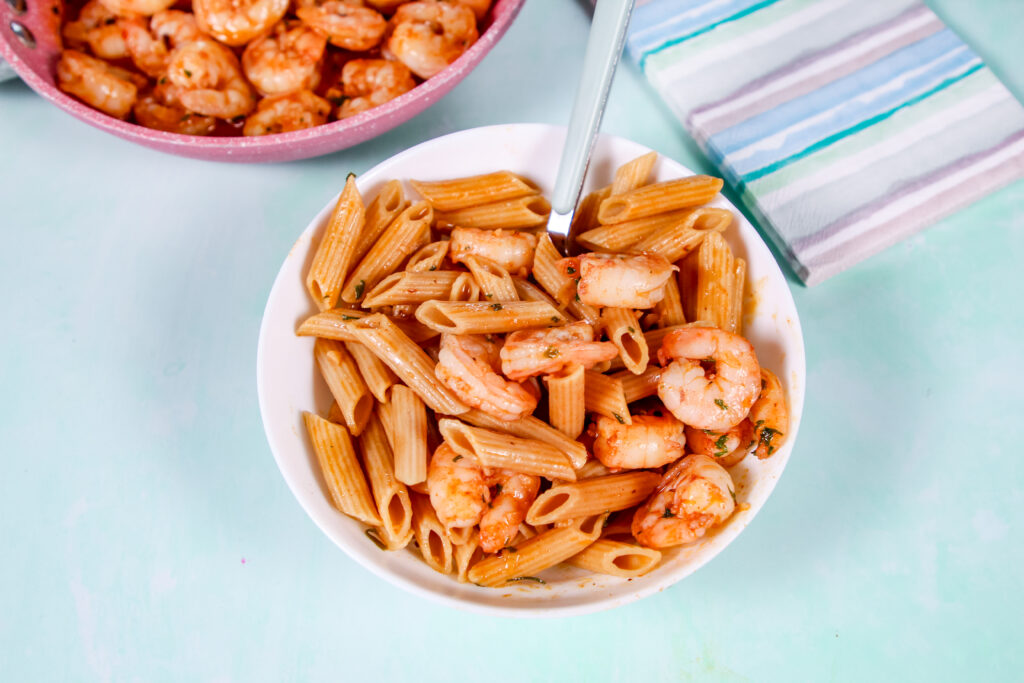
527, 353
236, 22
466, 365
210, 79
286, 60
621, 280
99, 29
727, 448
457, 488
131, 8
513, 494
284, 113
650, 441
713, 379
161, 109
346, 23
479, 7
511, 249
769, 415
148, 44
100, 85
369, 83
428, 35
695, 495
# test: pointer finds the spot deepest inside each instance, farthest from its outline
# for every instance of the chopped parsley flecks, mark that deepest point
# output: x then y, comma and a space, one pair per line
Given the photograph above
619, 418
527, 578
457, 458
551, 352
667, 514
496, 307
359, 289
720, 403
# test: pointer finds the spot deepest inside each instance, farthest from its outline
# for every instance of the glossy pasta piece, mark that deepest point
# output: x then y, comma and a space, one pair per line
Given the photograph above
499, 317
403, 237
332, 324
549, 274
530, 428
340, 469
434, 545
677, 240
494, 281
389, 494
429, 257
384, 208
334, 255
411, 288
615, 558
636, 387
592, 496
659, 198
623, 330
512, 214
720, 279
466, 553
669, 310
634, 174
566, 400
620, 237
604, 395
339, 370
504, 451
409, 440
463, 193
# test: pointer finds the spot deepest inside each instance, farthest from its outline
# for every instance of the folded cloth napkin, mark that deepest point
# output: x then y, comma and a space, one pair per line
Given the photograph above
845, 125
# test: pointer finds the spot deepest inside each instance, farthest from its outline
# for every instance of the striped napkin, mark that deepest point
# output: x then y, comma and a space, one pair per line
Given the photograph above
845, 125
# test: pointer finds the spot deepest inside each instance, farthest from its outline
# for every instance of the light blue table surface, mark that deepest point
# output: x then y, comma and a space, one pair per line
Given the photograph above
146, 534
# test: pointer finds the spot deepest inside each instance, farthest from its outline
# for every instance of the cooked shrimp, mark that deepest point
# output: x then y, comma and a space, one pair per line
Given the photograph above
527, 353
236, 22
161, 109
622, 281
99, 29
651, 441
479, 7
727, 448
510, 249
713, 379
108, 88
133, 8
148, 45
369, 83
769, 415
346, 23
457, 488
513, 495
286, 60
694, 495
466, 365
210, 79
428, 35
284, 113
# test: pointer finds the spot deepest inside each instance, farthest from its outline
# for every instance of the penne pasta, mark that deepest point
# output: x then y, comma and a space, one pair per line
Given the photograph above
626, 560
411, 288
530, 428
592, 496
407, 360
536, 554
504, 451
378, 377
527, 291
676, 241
384, 208
592, 468
619, 237
585, 218
389, 494
634, 174
466, 554
409, 435
659, 198
636, 387
339, 370
549, 275
512, 214
399, 240
464, 288
669, 310
434, 544
332, 324
463, 193
566, 404
623, 330
458, 317
720, 278
342, 474
494, 281
429, 257
604, 395
334, 255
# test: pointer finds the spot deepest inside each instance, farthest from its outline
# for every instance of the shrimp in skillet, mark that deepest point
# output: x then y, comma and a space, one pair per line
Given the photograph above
236, 22
99, 29
712, 380
161, 109
369, 83
286, 60
467, 365
108, 88
346, 23
510, 249
148, 45
620, 280
513, 494
769, 415
695, 495
428, 35
133, 8
527, 353
210, 79
285, 113
650, 441
727, 448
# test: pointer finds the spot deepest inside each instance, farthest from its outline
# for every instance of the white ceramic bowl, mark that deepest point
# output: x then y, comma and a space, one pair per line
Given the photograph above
287, 382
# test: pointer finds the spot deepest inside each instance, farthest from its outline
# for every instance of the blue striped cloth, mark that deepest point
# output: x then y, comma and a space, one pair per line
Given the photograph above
845, 125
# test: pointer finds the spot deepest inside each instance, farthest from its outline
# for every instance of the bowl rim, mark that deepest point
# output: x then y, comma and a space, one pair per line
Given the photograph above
598, 603
503, 13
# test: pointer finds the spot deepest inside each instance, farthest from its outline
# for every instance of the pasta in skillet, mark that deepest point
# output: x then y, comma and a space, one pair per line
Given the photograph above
511, 409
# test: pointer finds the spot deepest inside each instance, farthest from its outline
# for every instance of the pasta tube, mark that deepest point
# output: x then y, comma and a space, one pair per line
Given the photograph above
676, 241
467, 553
530, 427
547, 272
506, 452
634, 174
340, 469
566, 405
464, 288
340, 372
401, 239
429, 257
457, 317
409, 435
463, 193
619, 237
659, 198
384, 208
390, 495
494, 281
670, 309
378, 377
332, 324
636, 387
434, 544
604, 395
615, 558
623, 330
720, 278
592, 496
411, 288
512, 214
334, 254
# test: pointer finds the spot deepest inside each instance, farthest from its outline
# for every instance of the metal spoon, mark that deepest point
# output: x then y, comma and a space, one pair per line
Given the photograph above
604, 46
